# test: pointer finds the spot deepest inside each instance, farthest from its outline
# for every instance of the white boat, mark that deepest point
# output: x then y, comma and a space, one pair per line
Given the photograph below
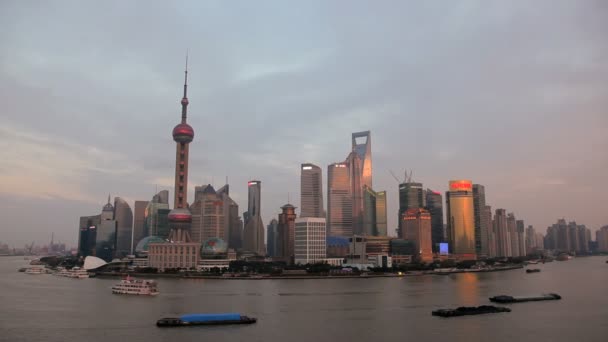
134, 286
78, 273
36, 270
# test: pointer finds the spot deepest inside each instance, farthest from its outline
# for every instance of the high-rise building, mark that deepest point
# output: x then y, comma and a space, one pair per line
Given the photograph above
434, 205
481, 228
491, 241
208, 216
411, 196
87, 234
286, 231
531, 240
521, 237
311, 191
180, 252
601, 237
369, 212
272, 235
460, 219
360, 169
512, 229
106, 236
503, 238
253, 234
381, 214
309, 240
583, 240
124, 226
416, 227
362, 146
139, 219
339, 200
233, 225
152, 221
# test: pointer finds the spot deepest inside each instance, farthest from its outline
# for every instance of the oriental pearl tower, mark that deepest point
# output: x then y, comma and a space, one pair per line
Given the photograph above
180, 217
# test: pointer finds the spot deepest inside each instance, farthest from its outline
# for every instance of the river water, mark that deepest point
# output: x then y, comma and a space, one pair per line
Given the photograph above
50, 308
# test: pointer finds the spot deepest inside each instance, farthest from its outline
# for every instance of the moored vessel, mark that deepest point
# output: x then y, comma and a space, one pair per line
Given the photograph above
521, 299
205, 319
469, 310
36, 270
132, 286
533, 270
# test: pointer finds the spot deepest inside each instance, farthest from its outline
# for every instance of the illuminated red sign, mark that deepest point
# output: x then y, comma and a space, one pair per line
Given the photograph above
461, 185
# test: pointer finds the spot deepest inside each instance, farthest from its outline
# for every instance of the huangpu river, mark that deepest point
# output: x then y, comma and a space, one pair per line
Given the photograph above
50, 308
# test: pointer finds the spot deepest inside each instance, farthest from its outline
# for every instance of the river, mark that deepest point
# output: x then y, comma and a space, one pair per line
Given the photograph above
50, 308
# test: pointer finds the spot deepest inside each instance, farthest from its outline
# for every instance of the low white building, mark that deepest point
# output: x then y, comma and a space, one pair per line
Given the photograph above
310, 243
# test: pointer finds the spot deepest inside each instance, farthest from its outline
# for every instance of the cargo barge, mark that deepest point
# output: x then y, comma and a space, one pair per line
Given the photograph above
205, 319
470, 310
521, 299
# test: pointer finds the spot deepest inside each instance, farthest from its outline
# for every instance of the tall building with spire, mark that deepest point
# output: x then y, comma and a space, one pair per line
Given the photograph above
253, 233
180, 252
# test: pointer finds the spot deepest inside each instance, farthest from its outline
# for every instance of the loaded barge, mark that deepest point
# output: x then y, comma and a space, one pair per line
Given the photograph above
469, 310
205, 319
520, 299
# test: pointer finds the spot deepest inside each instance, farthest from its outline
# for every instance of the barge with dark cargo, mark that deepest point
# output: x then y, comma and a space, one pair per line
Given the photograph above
205, 319
469, 310
520, 299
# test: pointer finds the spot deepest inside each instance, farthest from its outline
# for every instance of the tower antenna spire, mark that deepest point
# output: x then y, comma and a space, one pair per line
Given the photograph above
185, 98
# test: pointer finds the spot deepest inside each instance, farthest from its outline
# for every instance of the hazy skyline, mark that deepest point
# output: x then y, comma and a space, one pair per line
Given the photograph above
512, 95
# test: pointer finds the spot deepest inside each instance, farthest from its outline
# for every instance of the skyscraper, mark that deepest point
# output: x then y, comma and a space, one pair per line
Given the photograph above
311, 191
253, 240
411, 196
521, 238
155, 222
369, 212
87, 233
233, 225
512, 229
360, 169
530, 240
180, 252
503, 237
381, 216
491, 233
461, 221
481, 229
339, 201
434, 205
362, 146
139, 219
286, 231
124, 226
272, 235
416, 227
310, 243
207, 216
106, 236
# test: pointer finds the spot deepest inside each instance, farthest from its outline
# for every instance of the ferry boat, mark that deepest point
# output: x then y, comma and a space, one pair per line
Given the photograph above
133, 286
78, 273
205, 319
36, 270
62, 272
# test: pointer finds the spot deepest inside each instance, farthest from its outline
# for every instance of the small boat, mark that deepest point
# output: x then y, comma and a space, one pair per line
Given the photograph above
132, 286
532, 270
205, 319
470, 310
22, 269
35, 270
520, 299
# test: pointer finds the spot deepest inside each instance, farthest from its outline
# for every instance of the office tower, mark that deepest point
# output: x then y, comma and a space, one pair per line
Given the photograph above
253, 234
381, 214
369, 212
573, 237
481, 228
339, 200
461, 221
311, 191
491, 238
309, 240
531, 243
416, 227
272, 235
139, 219
286, 231
512, 229
360, 172
583, 241
87, 233
233, 225
503, 238
362, 146
601, 237
106, 235
562, 239
124, 226
180, 252
208, 217
521, 238
411, 196
434, 205
156, 216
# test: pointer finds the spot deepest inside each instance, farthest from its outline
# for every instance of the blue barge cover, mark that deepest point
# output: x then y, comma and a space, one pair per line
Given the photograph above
210, 317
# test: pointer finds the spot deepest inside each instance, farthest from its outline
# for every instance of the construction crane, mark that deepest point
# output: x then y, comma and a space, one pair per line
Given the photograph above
406, 179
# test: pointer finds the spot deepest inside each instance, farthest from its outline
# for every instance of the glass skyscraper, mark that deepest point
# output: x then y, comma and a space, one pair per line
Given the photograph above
434, 204
481, 228
461, 221
311, 191
254, 228
339, 201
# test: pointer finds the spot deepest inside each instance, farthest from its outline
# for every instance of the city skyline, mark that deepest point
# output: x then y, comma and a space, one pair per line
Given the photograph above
126, 94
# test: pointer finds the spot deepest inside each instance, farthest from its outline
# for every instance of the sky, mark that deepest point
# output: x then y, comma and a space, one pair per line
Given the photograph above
510, 94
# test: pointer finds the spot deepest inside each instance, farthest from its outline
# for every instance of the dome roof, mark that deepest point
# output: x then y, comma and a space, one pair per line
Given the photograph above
183, 133
142, 245
180, 215
214, 246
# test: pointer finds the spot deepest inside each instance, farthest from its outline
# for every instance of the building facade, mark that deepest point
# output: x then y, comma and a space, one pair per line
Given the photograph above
461, 221
124, 226
208, 217
286, 233
481, 228
272, 235
416, 227
434, 205
139, 222
411, 196
311, 191
339, 201
253, 233
310, 240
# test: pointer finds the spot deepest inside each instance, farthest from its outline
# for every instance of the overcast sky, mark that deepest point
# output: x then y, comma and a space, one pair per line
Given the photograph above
510, 94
